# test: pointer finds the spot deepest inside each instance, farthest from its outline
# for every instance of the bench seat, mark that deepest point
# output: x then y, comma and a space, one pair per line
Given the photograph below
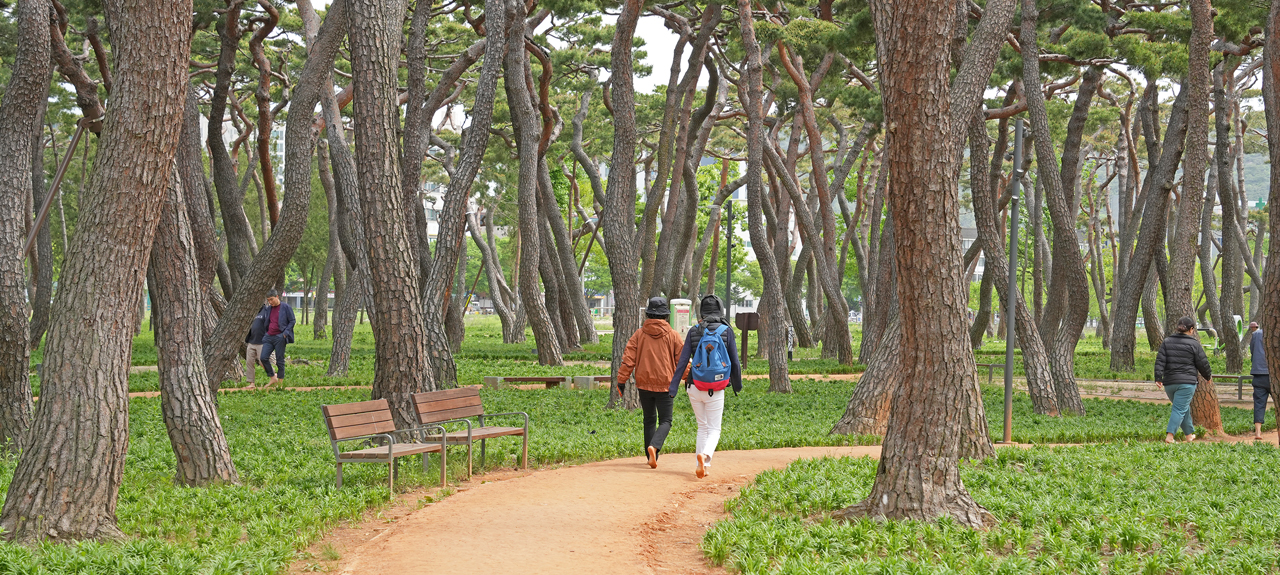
458, 406
397, 450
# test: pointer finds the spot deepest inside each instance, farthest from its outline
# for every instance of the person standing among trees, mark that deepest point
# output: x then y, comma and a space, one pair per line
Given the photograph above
279, 319
253, 347
1179, 360
706, 346
1261, 379
651, 355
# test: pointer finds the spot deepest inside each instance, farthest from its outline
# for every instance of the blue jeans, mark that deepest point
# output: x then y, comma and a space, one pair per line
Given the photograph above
272, 343
1180, 416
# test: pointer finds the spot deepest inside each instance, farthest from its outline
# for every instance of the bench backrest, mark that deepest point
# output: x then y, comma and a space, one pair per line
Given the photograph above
436, 406
358, 419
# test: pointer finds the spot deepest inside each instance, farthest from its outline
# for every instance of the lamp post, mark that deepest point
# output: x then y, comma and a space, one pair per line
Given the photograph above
1010, 304
728, 255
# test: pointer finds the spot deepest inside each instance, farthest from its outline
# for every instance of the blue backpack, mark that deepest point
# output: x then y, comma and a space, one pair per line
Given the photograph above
711, 361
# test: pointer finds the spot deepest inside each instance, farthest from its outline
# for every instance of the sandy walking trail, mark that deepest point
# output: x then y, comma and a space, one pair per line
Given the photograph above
615, 516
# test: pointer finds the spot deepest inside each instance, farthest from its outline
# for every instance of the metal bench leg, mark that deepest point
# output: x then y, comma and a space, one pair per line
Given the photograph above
444, 466
524, 453
481, 454
339, 475
469, 471
391, 478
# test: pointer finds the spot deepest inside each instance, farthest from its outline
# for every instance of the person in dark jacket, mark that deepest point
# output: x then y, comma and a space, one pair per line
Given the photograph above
1178, 362
708, 406
651, 356
279, 319
1261, 379
253, 347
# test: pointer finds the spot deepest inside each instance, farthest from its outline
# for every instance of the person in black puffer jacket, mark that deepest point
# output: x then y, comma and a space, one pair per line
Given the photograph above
1178, 362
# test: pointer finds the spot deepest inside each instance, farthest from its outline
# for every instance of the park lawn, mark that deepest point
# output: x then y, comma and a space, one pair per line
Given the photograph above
288, 501
1117, 508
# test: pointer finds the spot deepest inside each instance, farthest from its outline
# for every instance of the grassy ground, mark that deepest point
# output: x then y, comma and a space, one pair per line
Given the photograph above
1120, 508
288, 500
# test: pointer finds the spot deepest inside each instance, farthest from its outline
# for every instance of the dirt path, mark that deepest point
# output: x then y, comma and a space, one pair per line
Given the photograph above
615, 516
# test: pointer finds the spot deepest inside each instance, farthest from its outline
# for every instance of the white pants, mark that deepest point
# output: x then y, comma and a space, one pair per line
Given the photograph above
709, 409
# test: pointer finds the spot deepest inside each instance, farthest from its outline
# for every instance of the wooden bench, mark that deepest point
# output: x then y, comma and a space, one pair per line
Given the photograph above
366, 420
438, 408
550, 381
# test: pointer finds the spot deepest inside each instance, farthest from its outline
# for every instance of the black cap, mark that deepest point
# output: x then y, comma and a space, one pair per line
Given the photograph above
657, 306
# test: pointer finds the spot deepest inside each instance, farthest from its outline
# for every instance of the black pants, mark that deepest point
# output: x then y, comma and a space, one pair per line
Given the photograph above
1261, 389
657, 417
272, 343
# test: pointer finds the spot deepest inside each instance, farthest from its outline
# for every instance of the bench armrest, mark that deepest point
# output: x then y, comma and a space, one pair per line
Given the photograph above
421, 429
526, 417
441, 424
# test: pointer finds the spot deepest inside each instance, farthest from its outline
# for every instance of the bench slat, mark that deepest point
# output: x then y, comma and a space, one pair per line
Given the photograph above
361, 430
357, 407
359, 418
552, 379
449, 414
486, 432
397, 450
429, 396
448, 404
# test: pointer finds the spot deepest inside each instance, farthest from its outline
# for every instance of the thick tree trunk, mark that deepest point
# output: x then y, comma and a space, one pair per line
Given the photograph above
753, 102
1270, 308
527, 133
937, 417
27, 89
618, 216
199, 213
402, 368
187, 400
67, 480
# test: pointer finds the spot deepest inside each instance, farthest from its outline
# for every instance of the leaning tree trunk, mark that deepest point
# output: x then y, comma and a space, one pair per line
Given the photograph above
779, 379
43, 261
67, 480
1178, 302
937, 416
402, 368
1232, 262
27, 89
527, 133
186, 399
867, 412
239, 235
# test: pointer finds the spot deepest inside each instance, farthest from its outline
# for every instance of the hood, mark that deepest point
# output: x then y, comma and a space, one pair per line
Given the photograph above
711, 305
656, 328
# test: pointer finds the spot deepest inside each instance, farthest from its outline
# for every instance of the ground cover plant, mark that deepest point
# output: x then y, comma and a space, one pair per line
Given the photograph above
1119, 508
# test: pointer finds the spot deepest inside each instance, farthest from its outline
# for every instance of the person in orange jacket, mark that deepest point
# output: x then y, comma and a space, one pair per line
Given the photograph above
651, 356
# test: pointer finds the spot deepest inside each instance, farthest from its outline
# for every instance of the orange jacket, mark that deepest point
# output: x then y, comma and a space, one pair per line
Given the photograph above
651, 355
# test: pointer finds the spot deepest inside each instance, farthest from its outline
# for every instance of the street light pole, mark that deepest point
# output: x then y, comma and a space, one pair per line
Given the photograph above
1010, 304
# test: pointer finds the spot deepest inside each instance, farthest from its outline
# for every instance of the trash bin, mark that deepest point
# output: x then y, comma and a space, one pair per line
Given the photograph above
682, 315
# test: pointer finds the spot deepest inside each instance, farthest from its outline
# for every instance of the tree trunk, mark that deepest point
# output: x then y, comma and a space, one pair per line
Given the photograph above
42, 262
199, 212
527, 134
753, 102
187, 400
67, 480
230, 195
1232, 261
1269, 310
27, 89
936, 418
867, 412
399, 333
1154, 201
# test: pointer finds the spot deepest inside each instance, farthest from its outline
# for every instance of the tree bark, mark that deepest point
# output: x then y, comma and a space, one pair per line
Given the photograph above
527, 133
1232, 262
186, 398
402, 368
937, 417
26, 91
1269, 311
67, 480
42, 261
230, 195
505, 304
867, 412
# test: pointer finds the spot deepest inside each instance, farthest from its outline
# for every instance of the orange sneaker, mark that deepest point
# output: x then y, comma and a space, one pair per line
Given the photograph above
653, 457
702, 470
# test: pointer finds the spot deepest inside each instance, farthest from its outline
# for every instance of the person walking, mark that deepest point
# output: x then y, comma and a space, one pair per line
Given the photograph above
279, 319
253, 347
711, 349
1179, 360
1261, 379
651, 356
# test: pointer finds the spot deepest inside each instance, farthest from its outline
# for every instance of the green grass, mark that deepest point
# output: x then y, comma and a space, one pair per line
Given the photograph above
1120, 508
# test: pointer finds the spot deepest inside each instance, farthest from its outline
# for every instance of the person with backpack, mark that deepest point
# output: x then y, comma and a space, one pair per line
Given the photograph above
651, 356
711, 356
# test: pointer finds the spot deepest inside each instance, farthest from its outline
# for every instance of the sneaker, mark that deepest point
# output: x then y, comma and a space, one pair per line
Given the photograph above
653, 457
1191, 438
702, 470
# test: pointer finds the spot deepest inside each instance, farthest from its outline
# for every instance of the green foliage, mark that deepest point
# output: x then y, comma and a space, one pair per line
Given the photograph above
1124, 508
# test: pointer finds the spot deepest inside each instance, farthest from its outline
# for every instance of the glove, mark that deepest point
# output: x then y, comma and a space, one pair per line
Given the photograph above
622, 388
